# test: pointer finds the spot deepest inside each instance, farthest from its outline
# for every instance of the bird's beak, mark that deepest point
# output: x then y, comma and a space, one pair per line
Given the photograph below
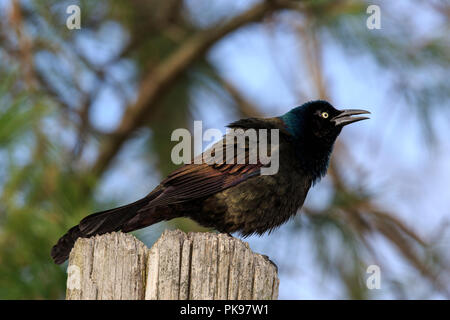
345, 117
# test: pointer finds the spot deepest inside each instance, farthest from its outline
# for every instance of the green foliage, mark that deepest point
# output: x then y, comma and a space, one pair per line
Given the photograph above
40, 199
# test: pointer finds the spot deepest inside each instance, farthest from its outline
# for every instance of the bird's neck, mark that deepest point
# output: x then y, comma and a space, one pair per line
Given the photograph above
313, 153
313, 156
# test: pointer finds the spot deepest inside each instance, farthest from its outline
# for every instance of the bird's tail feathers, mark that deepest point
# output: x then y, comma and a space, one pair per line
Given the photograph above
94, 224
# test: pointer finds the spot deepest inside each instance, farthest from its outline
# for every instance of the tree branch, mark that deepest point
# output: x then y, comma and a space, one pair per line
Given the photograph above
156, 82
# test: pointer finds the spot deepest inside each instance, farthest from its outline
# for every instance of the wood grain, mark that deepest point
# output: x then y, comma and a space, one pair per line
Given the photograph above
179, 266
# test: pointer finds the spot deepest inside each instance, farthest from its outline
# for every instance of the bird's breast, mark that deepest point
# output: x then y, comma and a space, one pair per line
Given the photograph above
258, 204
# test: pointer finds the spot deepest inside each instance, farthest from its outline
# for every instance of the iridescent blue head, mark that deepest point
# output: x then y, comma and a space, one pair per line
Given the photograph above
319, 119
315, 126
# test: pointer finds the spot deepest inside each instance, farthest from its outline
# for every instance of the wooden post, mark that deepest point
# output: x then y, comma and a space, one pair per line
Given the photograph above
179, 266
107, 267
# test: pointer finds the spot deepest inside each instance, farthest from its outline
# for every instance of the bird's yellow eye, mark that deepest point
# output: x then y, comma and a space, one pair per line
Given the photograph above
324, 115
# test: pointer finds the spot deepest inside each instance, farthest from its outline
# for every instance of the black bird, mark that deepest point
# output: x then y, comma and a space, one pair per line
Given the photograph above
234, 197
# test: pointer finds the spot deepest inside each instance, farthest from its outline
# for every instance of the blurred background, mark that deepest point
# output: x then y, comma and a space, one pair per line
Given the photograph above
86, 117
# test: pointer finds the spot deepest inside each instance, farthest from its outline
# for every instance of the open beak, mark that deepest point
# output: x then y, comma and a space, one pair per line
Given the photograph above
345, 117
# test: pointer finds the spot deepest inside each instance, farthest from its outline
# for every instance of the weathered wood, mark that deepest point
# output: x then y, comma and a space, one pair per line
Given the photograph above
178, 266
107, 267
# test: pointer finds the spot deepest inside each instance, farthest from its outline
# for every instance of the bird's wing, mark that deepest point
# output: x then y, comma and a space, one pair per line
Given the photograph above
256, 123
194, 181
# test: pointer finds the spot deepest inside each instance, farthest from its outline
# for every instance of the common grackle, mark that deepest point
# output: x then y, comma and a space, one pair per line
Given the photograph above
234, 197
